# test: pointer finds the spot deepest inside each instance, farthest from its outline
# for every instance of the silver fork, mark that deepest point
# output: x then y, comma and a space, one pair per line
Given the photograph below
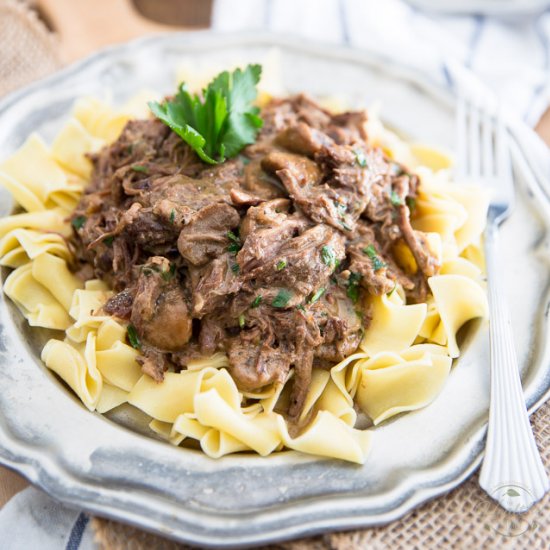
512, 472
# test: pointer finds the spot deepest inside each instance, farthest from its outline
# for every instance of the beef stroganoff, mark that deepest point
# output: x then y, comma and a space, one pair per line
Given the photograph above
255, 289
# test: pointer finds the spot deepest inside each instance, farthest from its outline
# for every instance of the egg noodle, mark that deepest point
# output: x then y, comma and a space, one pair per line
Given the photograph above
401, 364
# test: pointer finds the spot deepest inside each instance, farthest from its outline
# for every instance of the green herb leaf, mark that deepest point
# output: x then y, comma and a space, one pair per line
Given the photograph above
242, 320
109, 240
172, 216
353, 286
256, 302
139, 168
329, 257
360, 158
397, 170
232, 237
78, 222
395, 199
377, 263
170, 274
392, 290
281, 265
220, 124
411, 203
301, 308
345, 225
235, 244
235, 268
317, 295
282, 298
133, 337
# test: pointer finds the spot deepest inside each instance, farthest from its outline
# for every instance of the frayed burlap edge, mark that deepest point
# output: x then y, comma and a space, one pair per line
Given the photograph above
28, 50
464, 518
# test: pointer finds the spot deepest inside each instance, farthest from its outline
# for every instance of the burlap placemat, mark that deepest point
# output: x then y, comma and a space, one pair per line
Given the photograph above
27, 50
464, 518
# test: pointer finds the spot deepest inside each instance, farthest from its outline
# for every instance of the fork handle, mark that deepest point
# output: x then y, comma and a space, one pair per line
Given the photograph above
512, 471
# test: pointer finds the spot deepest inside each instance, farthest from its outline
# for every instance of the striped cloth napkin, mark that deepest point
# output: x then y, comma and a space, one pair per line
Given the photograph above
511, 55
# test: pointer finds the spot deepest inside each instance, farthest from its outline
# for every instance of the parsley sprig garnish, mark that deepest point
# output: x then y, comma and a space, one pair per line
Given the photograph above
218, 124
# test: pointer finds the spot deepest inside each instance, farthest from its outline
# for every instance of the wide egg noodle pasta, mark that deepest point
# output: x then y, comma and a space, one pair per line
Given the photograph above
394, 326
21, 246
458, 299
35, 179
110, 398
76, 366
176, 395
321, 436
53, 220
386, 390
85, 305
71, 146
52, 272
333, 400
34, 301
259, 433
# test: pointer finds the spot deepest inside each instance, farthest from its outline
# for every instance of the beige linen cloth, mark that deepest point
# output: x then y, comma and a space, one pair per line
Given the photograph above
463, 518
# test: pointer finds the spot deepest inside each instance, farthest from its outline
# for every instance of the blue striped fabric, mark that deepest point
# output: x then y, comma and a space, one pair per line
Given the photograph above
75, 538
510, 54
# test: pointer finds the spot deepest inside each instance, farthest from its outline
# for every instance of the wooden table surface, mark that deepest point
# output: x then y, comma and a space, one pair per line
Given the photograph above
77, 23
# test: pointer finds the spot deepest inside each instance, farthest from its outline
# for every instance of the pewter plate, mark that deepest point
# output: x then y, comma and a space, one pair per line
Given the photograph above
107, 467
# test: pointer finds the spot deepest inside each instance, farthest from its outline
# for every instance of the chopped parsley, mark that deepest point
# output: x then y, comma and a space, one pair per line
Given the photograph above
377, 263
317, 295
281, 265
256, 302
395, 199
411, 203
235, 268
282, 298
172, 216
353, 286
167, 275
392, 290
78, 222
329, 257
218, 123
397, 170
235, 245
301, 308
133, 337
341, 208
109, 240
345, 225
241, 320
140, 168
360, 158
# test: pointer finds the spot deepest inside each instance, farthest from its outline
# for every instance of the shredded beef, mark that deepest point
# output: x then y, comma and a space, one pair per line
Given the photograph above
256, 256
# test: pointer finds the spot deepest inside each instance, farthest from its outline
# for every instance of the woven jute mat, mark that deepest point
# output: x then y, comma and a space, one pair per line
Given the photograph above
465, 518
27, 50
